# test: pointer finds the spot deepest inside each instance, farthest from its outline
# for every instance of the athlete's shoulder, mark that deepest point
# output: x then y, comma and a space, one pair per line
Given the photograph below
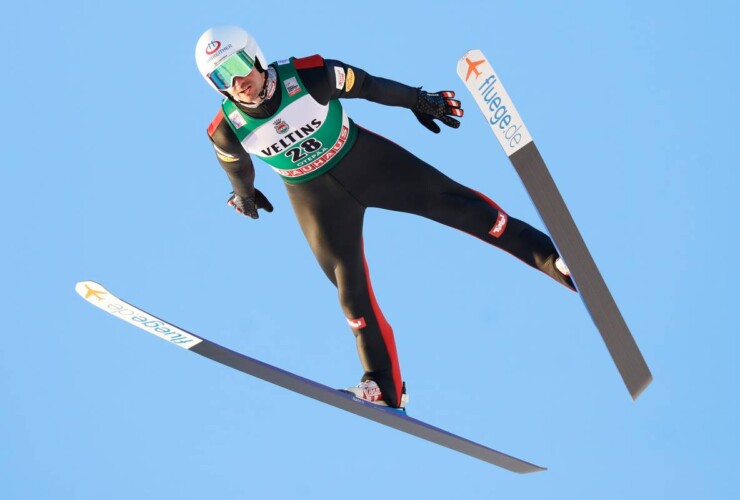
314, 61
222, 136
217, 122
301, 63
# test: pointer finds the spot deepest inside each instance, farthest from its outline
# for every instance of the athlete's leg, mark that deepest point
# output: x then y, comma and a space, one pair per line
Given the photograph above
331, 220
385, 175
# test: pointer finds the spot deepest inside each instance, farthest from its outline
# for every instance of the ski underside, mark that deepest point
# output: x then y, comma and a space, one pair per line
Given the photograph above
98, 296
501, 115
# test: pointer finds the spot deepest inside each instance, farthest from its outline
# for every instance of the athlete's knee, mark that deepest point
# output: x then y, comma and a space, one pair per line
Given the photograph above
352, 302
352, 289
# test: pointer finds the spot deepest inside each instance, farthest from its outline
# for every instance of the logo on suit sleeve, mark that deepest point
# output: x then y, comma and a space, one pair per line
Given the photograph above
350, 80
224, 156
339, 77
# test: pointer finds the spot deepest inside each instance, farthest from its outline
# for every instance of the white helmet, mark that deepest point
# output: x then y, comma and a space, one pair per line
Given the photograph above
216, 45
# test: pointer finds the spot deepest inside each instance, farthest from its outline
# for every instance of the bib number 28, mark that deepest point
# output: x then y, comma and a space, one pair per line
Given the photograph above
307, 146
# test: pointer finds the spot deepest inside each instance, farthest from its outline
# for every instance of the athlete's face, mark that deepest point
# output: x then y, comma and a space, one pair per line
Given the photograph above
247, 88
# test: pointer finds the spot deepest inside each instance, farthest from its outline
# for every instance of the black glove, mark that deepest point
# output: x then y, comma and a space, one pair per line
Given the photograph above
439, 105
249, 205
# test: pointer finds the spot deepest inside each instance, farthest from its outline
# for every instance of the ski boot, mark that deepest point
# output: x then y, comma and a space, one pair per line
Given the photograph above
370, 392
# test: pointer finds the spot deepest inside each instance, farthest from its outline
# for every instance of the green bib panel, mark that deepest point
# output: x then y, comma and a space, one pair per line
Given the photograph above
303, 139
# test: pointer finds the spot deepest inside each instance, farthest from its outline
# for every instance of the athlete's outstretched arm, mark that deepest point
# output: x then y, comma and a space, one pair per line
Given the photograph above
374, 88
328, 79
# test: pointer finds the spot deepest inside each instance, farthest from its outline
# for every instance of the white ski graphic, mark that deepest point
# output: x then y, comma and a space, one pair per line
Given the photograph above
514, 137
97, 295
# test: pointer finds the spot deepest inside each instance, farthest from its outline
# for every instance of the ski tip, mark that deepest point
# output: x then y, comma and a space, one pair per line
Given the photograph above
470, 57
471, 52
87, 288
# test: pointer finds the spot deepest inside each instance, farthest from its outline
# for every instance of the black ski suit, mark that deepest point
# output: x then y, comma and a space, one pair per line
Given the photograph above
376, 173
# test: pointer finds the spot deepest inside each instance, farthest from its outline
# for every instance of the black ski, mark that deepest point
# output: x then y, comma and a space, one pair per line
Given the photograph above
513, 136
98, 296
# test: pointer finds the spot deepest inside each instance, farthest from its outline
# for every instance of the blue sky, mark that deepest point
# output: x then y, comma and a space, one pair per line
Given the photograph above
108, 175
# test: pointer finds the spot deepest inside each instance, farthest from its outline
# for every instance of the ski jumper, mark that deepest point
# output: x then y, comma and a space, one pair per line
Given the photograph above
334, 170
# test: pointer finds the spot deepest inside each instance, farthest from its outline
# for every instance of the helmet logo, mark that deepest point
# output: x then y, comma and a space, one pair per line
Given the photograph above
213, 47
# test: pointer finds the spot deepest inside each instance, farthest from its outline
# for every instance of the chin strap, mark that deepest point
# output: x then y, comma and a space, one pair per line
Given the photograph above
268, 89
270, 84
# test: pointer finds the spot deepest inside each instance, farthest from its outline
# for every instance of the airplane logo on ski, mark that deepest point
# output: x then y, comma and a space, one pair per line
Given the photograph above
95, 293
473, 68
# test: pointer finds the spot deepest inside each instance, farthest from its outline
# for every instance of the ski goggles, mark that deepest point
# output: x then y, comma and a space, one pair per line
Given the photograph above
239, 64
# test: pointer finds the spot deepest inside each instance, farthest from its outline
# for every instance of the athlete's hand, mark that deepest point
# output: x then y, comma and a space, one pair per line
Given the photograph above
249, 205
439, 105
